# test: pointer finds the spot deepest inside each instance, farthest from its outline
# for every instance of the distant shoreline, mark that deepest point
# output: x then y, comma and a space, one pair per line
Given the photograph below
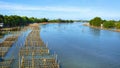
115, 30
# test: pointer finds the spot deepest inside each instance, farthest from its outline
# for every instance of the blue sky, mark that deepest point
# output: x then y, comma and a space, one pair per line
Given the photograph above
65, 9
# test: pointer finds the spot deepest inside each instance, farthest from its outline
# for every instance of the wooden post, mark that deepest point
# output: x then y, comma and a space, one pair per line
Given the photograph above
22, 62
19, 61
33, 60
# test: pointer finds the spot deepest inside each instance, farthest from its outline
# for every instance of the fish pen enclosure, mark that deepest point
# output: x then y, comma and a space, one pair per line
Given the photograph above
7, 61
33, 53
6, 44
4, 49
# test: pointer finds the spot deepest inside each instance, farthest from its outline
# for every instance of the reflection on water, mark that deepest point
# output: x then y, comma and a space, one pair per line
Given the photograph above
79, 46
95, 31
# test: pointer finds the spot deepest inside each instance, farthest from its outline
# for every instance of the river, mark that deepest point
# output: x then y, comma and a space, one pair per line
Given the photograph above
79, 46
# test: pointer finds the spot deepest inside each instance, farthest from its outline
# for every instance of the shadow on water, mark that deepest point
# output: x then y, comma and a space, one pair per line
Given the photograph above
1, 59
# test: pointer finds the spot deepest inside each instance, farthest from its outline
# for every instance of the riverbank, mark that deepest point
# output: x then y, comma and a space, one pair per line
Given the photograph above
102, 28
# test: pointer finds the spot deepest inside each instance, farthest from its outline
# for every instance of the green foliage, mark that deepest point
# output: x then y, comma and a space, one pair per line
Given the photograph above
25, 20
97, 21
61, 21
44, 20
14, 20
109, 24
1, 18
118, 25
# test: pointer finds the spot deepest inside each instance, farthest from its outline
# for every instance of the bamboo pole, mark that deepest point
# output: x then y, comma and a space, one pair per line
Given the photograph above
33, 60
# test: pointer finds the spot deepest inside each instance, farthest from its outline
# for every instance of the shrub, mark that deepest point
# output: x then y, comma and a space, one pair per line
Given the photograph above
96, 21
109, 24
118, 26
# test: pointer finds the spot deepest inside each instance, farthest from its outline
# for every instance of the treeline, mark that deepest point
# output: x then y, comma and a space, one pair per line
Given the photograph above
15, 20
61, 21
98, 22
84, 21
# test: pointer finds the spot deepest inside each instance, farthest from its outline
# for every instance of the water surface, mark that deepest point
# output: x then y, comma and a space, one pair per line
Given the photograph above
80, 46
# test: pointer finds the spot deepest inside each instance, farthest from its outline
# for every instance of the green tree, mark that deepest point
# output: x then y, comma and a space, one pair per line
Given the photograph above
1, 18
14, 20
25, 20
6, 20
97, 21
61, 21
109, 24
44, 20
118, 25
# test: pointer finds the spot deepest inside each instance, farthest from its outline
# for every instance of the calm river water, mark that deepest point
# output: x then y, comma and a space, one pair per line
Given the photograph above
79, 46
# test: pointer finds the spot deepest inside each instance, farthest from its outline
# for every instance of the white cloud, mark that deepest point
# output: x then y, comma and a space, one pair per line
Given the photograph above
9, 6
63, 10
